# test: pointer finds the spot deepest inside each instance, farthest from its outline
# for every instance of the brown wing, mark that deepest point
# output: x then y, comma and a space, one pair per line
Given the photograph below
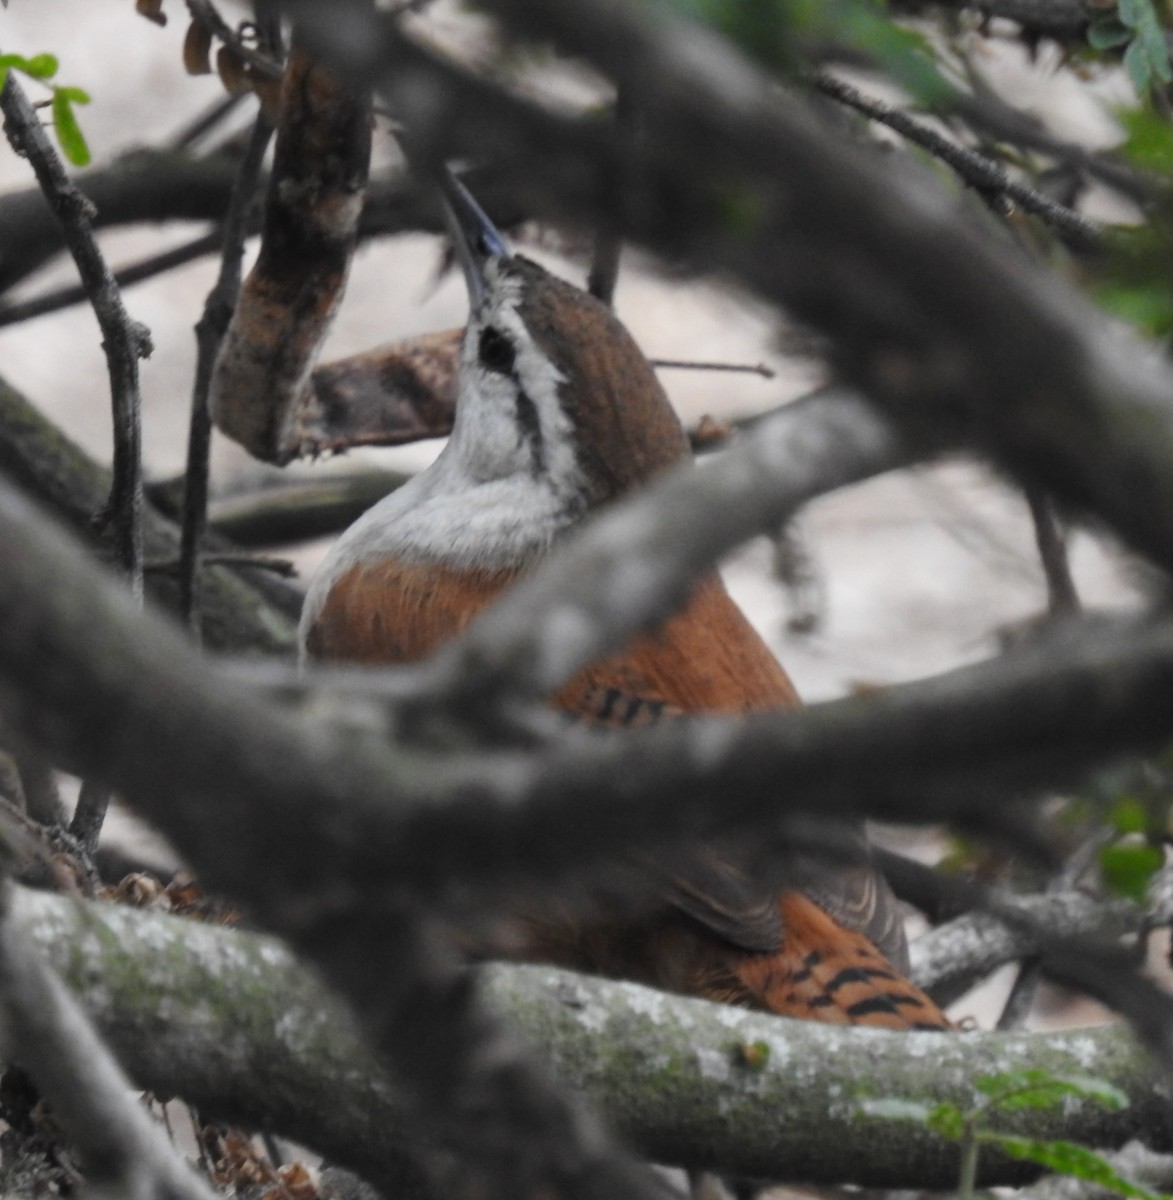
708, 658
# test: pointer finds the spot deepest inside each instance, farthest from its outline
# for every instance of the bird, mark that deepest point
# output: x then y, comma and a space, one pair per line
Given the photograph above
559, 413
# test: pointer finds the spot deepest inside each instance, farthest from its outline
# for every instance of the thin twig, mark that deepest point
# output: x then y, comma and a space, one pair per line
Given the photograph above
1062, 596
93, 802
206, 14
147, 268
604, 272
209, 333
124, 341
986, 110
207, 120
278, 566
1020, 1002
976, 169
687, 364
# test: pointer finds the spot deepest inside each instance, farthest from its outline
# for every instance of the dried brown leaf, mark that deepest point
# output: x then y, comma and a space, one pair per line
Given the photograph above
197, 49
152, 10
232, 71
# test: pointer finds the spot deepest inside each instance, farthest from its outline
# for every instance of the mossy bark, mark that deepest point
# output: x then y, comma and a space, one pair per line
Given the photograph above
233, 1023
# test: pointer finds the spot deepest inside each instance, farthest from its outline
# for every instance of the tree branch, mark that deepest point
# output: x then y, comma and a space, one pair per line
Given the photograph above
947, 960
978, 170
124, 341
230, 1021
45, 1032
210, 329
147, 268
244, 609
217, 756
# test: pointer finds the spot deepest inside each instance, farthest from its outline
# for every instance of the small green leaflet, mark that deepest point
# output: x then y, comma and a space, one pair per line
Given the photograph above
40, 66
1070, 1158
1036, 1088
69, 134
1136, 25
1128, 867
43, 67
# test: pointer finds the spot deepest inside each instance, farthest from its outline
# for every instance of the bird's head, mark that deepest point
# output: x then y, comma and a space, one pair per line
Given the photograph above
551, 383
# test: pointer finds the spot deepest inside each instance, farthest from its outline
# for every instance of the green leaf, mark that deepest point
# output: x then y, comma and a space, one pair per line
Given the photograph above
947, 1120
1070, 1159
1158, 54
69, 134
75, 95
1128, 867
1038, 1088
40, 66
891, 1109
1147, 307
1107, 33
1136, 63
1128, 815
1152, 37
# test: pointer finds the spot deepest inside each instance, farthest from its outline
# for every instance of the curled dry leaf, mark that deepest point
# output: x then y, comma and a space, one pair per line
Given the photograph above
262, 379
152, 10
235, 1163
233, 72
401, 393
197, 49
139, 890
295, 1182
709, 432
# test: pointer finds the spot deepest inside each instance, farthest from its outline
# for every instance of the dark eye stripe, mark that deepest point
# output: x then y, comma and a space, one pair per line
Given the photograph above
531, 429
496, 351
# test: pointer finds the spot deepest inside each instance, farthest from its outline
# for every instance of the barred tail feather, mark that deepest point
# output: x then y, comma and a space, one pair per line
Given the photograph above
826, 972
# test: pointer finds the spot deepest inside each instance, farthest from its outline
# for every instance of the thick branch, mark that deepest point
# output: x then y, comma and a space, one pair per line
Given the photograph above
243, 609
83, 675
45, 1032
233, 1024
145, 185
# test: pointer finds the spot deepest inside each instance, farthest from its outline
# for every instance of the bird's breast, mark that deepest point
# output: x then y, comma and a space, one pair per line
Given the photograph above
395, 611
704, 658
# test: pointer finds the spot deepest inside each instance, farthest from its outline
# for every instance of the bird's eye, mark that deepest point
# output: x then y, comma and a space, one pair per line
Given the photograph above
495, 351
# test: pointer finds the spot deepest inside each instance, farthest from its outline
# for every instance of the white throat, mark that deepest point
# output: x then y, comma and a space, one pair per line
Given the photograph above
487, 501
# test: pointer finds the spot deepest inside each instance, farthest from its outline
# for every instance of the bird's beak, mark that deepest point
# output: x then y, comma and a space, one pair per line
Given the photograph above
475, 237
